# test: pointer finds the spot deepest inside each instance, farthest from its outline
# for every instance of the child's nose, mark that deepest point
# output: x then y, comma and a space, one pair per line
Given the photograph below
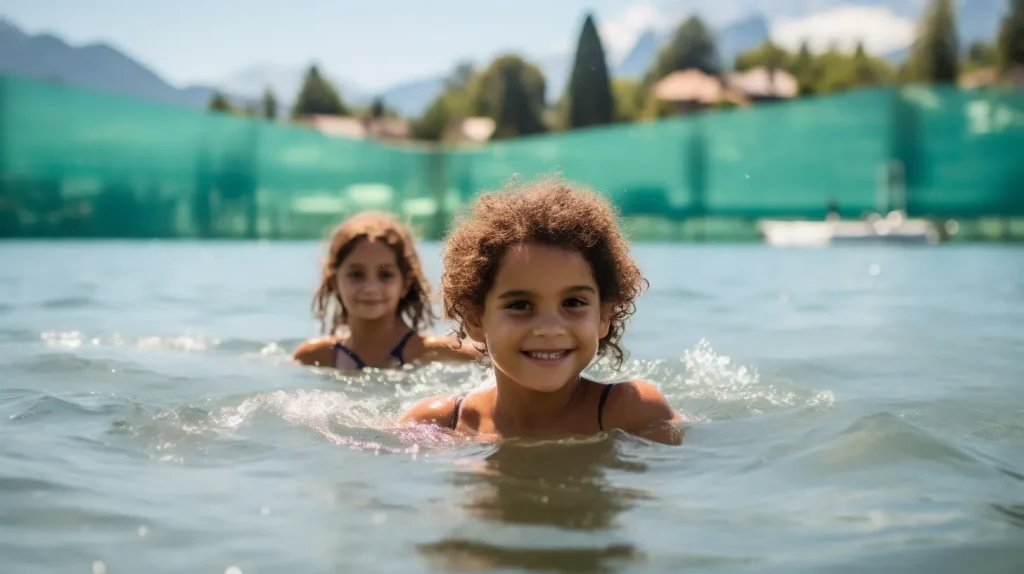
549, 327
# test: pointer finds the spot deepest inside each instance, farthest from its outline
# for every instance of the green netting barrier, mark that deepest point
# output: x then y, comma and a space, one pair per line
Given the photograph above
83, 164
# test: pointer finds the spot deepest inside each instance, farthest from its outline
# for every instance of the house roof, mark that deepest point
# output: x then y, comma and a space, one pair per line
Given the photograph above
765, 82
693, 85
358, 128
337, 126
474, 129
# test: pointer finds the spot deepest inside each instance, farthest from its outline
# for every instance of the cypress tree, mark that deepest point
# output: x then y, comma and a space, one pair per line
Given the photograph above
269, 104
1011, 37
590, 92
318, 96
377, 108
935, 55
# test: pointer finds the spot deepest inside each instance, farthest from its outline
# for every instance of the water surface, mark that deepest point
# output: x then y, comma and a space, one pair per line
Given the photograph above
850, 410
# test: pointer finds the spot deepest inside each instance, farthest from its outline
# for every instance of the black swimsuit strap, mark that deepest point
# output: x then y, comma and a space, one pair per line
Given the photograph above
400, 347
455, 414
396, 352
352, 355
600, 404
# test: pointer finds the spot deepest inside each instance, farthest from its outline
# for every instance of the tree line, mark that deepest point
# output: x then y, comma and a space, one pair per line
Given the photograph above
512, 91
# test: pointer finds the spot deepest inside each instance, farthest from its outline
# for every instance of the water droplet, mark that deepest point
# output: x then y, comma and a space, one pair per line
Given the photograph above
113, 370
99, 568
264, 511
233, 570
380, 518
875, 270
748, 176
143, 531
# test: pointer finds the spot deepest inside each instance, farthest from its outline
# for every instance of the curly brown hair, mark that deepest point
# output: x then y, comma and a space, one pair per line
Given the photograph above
415, 307
552, 212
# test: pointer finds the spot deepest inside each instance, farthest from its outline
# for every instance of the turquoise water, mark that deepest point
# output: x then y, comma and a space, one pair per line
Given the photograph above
851, 410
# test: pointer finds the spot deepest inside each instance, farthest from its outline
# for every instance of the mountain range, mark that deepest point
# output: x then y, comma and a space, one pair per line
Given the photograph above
739, 25
94, 66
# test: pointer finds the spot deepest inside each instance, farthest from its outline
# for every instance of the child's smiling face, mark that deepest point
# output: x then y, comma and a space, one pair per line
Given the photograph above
542, 318
369, 282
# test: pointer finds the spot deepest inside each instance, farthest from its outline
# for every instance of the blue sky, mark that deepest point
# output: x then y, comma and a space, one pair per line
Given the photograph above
372, 43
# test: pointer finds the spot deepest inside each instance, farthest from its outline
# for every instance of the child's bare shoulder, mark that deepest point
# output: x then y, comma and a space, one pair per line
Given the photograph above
639, 407
438, 410
316, 352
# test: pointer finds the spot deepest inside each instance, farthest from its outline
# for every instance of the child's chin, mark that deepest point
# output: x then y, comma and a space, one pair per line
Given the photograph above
546, 384
371, 314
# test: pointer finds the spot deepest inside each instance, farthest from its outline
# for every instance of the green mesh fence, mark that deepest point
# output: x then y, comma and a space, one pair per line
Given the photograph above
81, 164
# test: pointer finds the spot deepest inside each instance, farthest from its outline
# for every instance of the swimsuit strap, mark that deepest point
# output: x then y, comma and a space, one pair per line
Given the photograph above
352, 355
455, 414
396, 352
600, 404
400, 347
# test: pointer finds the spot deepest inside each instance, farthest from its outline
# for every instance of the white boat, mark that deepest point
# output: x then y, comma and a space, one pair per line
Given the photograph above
895, 228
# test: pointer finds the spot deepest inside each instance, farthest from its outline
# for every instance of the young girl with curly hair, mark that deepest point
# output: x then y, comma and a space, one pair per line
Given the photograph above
541, 277
373, 284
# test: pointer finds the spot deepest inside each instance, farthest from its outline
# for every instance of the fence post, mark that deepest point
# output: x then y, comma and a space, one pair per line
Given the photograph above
437, 178
695, 150
905, 149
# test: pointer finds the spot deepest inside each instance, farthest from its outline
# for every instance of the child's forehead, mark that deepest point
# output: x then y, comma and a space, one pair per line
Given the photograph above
530, 251
369, 251
544, 265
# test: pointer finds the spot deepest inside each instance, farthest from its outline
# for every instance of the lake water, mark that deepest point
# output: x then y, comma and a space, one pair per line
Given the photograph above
850, 410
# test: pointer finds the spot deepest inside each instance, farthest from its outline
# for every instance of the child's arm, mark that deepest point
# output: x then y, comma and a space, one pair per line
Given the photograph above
434, 410
639, 408
316, 352
444, 349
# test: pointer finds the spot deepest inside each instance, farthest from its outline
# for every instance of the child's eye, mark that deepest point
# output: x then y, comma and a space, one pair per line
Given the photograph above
574, 302
355, 275
387, 276
518, 306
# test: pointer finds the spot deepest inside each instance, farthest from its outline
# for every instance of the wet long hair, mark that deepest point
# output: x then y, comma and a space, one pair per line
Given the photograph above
414, 307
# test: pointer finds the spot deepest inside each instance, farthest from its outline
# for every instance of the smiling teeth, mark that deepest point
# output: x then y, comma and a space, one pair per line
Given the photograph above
547, 356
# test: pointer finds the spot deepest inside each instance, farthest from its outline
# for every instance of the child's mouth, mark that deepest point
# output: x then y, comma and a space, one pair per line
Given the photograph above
549, 356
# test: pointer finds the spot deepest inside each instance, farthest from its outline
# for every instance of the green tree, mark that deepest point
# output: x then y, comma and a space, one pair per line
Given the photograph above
590, 92
269, 104
864, 70
377, 108
1011, 37
628, 104
511, 91
460, 78
318, 96
934, 57
436, 119
219, 103
982, 55
769, 55
836, 71
692, 46
452, 104
805, 69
